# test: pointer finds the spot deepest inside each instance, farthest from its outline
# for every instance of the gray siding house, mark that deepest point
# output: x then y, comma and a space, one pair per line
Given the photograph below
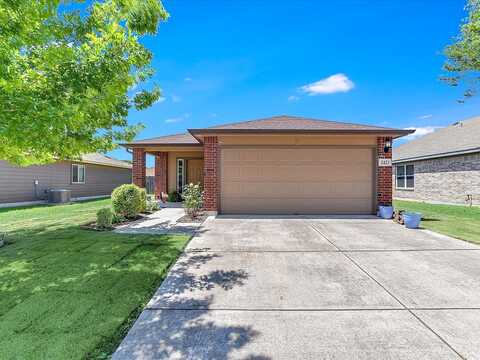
94, 175
443, 166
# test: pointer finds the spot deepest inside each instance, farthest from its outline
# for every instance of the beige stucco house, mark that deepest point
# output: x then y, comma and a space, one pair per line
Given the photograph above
277, 165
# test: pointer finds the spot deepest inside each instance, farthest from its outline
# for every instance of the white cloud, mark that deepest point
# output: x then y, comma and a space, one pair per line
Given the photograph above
420, 131
187, 79
330, 85
176, 98
173, 120
424, 117
177, 119
293, 98
160, 100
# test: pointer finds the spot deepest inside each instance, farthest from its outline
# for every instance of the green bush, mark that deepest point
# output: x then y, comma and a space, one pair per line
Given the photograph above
127, 200
174, 196
143, 200
152, 204
117, 218
193, 199
104, 218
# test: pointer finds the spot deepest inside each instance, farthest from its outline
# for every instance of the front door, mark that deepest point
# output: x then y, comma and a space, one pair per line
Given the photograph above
195, 171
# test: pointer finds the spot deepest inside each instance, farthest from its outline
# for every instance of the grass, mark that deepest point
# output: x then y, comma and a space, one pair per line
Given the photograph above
68, 293
462, 222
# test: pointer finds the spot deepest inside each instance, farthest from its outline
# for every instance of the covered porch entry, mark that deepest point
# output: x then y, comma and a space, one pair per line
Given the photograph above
173, 168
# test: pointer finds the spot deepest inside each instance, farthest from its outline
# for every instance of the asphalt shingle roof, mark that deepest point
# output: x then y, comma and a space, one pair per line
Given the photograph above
458, 138
100, 159
176, 139
285, 122
282, 123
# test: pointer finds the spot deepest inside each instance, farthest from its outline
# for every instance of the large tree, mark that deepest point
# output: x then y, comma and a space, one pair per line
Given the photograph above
66, 71
463, 57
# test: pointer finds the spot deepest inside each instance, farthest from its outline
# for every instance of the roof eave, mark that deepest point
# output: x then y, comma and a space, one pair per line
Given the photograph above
437, 155
136, 145
396, 133
120, 166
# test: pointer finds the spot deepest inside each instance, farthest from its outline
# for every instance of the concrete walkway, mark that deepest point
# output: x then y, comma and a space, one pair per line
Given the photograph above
164, 221
313, 288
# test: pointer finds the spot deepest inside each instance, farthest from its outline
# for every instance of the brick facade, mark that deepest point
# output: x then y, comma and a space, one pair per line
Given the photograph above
161, 174
211, 185
138, 167
447, 180
384, 173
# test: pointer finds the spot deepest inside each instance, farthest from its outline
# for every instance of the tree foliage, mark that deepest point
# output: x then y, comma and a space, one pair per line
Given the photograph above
463, 57
65, 72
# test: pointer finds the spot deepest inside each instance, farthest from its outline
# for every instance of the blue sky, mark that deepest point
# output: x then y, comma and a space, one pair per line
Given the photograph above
225, 61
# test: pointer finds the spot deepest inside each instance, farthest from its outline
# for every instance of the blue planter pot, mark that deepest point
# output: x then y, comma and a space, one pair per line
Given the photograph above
385, 212
412, 220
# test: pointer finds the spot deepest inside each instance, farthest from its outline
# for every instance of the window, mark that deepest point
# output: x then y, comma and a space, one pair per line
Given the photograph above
180, 174
78, 174
405, 176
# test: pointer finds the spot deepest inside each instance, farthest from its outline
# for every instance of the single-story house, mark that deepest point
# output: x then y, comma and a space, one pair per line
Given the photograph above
443, 166
277, 165
93, 175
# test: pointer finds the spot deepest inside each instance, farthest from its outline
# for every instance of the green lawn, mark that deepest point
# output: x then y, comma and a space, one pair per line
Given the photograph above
462, 222
68, 293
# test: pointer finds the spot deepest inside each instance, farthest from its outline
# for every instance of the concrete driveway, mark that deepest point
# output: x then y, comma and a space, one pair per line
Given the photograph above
314, 288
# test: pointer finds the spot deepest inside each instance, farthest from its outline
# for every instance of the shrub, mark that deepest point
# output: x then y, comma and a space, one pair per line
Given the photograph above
104, 219
143, 200
174, 196
117, 218
152, 204
193, 199
3, 239
127, 201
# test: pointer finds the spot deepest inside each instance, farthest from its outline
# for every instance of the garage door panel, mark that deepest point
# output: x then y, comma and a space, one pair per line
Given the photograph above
295, 206
298, 172
297, 180
298, 155
290, 190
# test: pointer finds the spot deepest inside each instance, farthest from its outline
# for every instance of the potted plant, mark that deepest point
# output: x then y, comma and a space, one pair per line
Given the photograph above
412, 219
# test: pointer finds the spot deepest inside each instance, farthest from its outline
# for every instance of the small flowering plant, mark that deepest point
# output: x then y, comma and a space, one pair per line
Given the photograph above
193, 199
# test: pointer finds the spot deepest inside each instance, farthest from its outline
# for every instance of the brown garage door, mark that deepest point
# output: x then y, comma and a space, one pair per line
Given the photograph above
293, 180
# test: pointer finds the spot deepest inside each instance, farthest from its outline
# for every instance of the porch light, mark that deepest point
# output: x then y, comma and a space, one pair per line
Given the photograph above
387, 146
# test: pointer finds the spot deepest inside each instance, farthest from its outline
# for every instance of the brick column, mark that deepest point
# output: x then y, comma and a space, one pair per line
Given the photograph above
161, 174
384, 174
138, 167
211, 188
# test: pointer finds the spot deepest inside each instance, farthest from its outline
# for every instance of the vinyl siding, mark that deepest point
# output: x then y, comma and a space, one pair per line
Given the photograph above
17, 183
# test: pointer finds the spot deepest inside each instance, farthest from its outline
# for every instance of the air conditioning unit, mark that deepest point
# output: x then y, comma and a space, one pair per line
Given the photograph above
59, 196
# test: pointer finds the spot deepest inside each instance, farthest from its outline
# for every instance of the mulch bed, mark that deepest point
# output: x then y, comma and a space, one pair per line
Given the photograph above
93, 225
200, 218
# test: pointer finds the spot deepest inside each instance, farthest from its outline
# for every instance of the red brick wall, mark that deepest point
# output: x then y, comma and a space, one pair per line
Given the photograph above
384, 174
138, 167
211, 183
161, 174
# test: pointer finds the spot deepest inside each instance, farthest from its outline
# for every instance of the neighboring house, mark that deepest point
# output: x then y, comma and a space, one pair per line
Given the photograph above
278, 165
443, 166
93, 175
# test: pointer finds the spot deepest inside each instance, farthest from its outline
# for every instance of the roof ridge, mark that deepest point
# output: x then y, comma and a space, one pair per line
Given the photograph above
296, 117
